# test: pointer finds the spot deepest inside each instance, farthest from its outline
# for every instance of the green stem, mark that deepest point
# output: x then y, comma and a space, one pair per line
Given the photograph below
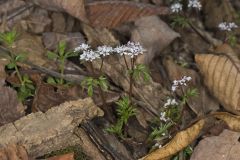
99, 88
131, 80
18, 74
62, 62
101, 65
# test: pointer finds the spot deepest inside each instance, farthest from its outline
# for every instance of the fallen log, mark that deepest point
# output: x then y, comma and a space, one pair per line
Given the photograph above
42, 133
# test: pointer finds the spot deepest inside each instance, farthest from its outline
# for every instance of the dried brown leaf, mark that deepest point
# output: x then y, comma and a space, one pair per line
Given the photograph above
221, 76
113, 13
179, 142
75, 8
223, 147
154, 35
10, 108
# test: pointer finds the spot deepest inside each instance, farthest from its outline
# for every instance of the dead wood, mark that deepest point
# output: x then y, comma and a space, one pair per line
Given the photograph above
41, 133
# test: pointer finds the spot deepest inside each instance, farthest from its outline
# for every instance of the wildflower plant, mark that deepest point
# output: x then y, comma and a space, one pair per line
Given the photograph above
172, 110
60, 55
228, 29
25, 88
179, 18
125, 110
134, 71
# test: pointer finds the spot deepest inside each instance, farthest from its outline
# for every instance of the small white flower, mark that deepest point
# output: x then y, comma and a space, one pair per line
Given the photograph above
89, 55
104, 50
131, 49
163, 117
176, 7
194, 4
177, 83
170, 102
82, 47
224, 26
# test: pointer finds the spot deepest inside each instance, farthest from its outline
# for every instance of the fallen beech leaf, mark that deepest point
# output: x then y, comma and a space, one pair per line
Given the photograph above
154, 35
179, 142
75, 8
10, 108
223, 147
13, 152
221, 76
231, 120
113, 13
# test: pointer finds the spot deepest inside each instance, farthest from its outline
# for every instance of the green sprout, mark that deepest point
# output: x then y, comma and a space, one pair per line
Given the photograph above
160, 131
124, 111
8, 38
180, 21
186, 153
140, 70
26, 88
60, 55
90, 83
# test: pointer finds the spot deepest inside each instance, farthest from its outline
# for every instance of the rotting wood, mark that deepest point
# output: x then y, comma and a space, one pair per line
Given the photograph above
41, 133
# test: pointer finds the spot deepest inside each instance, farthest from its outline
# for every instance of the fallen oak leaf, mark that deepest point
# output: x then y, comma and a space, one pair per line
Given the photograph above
179, 142
113, 13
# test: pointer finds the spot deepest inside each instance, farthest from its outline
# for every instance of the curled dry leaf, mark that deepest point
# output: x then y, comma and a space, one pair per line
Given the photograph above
221, 76
223, 147
75, 8
113, 13
231, 120
179, 142
10, 108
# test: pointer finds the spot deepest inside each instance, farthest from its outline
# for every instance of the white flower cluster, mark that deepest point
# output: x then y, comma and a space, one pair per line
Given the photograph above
194, 4
177, 83
82, 47
89, 55
170, 102
131, 49
224, 26
163, 117
104, 50
176, 7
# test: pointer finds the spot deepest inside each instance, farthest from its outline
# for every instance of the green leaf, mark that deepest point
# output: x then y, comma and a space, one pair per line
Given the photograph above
71, 54
102, 81
61, 48
90, 91
51, 80
9, 37
52, 55
11, 65
20, 57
